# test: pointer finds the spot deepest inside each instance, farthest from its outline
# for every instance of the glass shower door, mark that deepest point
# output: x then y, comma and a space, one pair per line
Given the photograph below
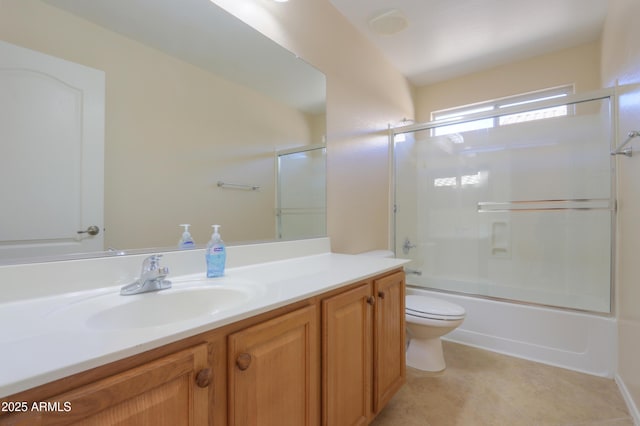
521, 211
301, 193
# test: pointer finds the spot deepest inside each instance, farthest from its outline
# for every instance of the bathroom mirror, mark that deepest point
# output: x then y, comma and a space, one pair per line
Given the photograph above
196, 106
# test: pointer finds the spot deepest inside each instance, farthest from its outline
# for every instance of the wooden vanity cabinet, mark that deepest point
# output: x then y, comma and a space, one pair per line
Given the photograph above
273, 372
336, 359
347, 338
172, 390
363, 350
389, 350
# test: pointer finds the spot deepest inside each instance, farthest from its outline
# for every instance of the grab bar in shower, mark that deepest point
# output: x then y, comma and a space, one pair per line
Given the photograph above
628, 152
545, 205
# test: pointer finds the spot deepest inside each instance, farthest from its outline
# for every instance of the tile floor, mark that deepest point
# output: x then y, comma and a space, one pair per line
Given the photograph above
482, 388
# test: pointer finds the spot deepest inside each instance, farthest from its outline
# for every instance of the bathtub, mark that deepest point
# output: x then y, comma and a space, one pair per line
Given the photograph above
577, 341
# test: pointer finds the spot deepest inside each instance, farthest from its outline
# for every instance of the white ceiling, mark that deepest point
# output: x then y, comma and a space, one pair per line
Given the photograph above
444, 38
450, 38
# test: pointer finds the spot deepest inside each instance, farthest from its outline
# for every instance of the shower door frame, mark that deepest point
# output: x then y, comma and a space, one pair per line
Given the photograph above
609, 93
278, 201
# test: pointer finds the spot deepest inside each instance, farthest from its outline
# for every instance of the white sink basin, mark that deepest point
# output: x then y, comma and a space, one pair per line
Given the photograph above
164, 307
111, 311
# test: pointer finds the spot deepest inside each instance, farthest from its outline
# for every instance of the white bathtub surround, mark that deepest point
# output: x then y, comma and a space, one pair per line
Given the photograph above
53, 305
573, 340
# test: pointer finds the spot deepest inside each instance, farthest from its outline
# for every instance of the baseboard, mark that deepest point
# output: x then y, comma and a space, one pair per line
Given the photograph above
631, 405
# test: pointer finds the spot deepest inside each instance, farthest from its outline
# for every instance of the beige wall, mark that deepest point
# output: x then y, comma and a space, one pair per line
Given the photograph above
364, 94
579, 66
172, 131
621, 64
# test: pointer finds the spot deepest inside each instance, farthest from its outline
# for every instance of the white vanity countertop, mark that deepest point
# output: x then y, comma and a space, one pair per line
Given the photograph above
43, 340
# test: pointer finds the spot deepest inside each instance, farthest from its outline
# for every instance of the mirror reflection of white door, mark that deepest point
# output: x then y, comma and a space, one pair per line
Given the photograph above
51, 154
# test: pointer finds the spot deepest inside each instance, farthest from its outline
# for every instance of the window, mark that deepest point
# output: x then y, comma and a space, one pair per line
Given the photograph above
463, 181
486, 123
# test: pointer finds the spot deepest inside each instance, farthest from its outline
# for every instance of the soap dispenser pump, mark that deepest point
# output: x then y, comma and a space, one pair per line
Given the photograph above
186, 241
216, 254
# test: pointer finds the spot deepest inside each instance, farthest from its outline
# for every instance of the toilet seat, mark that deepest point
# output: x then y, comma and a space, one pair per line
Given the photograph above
429, 307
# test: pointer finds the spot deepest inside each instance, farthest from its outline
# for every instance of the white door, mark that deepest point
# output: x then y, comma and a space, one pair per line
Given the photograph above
51, 154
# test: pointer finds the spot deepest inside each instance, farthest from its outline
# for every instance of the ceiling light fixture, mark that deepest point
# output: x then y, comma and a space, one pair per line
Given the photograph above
388, 22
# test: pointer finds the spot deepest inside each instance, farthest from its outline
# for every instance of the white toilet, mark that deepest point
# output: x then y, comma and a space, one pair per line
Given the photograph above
428, 319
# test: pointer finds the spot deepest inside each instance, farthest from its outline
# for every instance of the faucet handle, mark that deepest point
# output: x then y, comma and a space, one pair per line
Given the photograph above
151, 263
151, 278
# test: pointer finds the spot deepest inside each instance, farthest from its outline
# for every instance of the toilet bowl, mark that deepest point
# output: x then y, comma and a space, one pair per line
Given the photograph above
428, 319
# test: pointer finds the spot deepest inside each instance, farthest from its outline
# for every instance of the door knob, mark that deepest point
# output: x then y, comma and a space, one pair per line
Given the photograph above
92, 230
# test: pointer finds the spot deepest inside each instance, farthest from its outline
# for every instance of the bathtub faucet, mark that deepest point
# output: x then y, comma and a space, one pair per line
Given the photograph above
409, 271
407, 246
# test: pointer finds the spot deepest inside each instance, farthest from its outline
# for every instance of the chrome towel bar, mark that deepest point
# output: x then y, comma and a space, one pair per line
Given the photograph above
229, 185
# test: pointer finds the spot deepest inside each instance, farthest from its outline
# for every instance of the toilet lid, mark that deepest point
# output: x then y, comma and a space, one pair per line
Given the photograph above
429, 307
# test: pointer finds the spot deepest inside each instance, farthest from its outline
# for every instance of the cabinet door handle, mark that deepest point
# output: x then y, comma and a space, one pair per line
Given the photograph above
203, 378
381, 294
371, 300
243, 361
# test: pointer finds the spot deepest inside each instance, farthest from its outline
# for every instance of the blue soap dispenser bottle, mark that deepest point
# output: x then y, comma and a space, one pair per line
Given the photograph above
216, 254
186, 241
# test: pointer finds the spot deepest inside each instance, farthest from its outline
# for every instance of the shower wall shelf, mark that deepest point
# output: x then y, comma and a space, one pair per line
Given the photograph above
628, 152
229, 185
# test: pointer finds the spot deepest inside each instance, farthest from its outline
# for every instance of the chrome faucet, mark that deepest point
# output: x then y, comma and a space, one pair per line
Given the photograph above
407, 246
152, 278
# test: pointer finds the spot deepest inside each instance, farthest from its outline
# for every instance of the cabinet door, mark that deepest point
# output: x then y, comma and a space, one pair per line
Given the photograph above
346, 361
389, 339
274, 372
171, 391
